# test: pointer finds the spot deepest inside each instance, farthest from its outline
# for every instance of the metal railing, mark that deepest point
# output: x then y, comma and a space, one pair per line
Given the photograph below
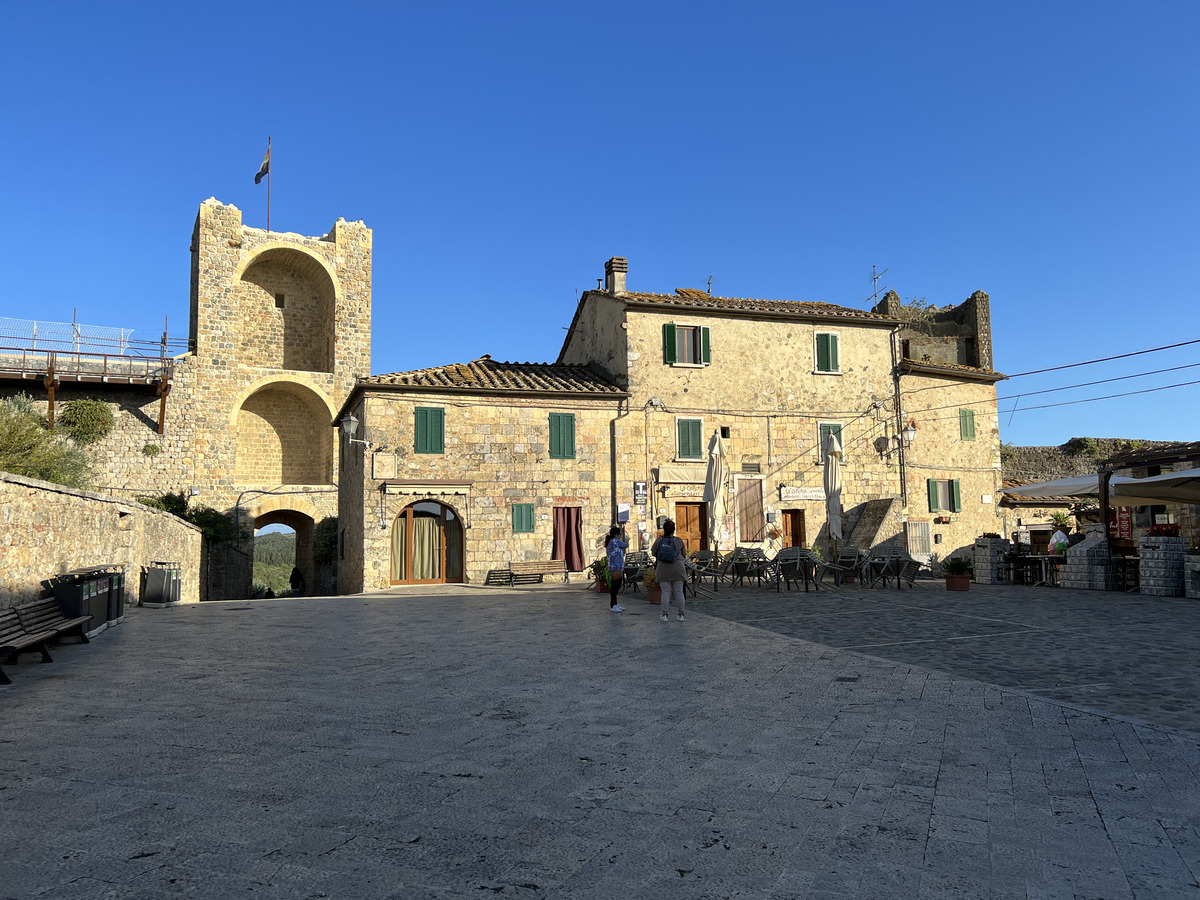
22, 362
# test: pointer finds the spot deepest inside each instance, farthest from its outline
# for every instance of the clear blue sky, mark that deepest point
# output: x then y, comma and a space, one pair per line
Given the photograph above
1043, 152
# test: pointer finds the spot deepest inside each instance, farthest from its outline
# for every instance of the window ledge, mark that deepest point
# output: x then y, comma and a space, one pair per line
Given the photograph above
683, 365
819, 372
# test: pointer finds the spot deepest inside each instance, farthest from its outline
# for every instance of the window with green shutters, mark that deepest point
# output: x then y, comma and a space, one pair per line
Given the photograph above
945, 495
430, 429
966, 424
687, 345
827, 428
562, 435
690, 444
522, 517
827, 352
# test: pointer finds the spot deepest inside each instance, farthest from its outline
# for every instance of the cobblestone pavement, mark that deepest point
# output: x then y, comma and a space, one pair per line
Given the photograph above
459, 742
1122, 654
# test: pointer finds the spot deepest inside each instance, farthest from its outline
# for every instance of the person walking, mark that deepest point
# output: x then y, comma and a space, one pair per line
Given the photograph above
668, 555
615, 546
297, 582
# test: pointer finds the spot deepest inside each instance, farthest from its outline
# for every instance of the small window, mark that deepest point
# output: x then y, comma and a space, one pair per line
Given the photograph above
966, 424
687, 345
824, 430
429, 429
562, 435
279, 301
725, 432
689, 434
827, 352
522, 515
944, 495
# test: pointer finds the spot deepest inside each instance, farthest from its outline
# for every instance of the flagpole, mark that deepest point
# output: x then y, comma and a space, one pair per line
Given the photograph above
268, 184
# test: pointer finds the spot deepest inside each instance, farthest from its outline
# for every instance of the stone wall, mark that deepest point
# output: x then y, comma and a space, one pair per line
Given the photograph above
49, 530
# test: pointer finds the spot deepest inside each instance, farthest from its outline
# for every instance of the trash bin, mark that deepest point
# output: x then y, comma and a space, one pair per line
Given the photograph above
161, 584
84, 592
116, 595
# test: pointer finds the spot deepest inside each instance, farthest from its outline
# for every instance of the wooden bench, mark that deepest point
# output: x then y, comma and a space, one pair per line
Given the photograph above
534, 572
46, 615
499, 576
15, 640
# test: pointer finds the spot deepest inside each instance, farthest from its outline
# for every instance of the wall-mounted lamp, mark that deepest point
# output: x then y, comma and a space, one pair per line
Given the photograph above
350, 428
663, 488
909, 433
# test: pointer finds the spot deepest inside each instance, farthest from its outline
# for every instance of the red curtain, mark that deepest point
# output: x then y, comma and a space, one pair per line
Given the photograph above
568, 536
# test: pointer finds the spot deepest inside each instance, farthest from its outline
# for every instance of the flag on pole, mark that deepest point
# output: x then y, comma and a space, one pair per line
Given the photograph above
265, 168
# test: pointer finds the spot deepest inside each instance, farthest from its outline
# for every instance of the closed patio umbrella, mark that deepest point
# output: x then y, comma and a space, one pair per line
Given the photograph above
833, 485
715, 488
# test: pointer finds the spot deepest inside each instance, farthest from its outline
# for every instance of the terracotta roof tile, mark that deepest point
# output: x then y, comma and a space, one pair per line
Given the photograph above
694, 297
486, 374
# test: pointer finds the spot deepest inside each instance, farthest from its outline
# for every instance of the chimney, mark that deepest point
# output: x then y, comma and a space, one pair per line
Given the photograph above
614, 276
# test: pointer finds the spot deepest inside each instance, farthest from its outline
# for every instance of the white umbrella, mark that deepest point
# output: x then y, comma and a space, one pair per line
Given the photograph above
833, 485
715, 488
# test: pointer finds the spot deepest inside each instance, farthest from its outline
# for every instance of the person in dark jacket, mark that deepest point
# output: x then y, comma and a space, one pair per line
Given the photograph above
615, 546
297, 580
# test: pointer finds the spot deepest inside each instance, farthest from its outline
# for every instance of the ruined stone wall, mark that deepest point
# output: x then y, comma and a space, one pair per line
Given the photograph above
48, 530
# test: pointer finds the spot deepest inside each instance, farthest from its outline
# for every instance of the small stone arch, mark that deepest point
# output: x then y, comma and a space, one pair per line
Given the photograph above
283, 435
288, 299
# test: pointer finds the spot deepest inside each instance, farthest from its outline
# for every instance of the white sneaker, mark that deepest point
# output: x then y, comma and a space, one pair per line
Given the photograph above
680, 617
617, 608
663, 617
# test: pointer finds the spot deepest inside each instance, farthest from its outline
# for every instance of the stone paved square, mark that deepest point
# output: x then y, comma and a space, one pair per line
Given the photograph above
467, 742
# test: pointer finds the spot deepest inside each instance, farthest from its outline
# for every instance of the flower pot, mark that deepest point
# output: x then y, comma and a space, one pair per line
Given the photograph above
958, 582
601, 586
654, 594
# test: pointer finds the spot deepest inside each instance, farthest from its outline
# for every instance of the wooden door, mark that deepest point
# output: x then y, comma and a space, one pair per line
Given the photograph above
691, 525
793, 528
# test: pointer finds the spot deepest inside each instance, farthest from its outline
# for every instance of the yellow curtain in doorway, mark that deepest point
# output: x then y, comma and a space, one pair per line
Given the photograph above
399, 549
427, 551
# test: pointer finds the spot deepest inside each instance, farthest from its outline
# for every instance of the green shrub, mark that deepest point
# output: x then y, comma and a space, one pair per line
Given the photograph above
29, 450
213, 523
87, 421
956, 565
151, 450
325, 540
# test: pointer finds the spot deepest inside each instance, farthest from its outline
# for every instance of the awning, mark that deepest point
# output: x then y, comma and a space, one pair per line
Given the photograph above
1173, 487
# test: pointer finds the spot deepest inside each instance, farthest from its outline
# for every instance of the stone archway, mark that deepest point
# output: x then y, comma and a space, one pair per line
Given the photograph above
283, 436
302, 525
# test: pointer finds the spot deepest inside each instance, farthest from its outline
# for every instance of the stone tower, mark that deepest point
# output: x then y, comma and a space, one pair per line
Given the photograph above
281, 326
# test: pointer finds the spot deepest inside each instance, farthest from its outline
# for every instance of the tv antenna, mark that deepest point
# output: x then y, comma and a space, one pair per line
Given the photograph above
710, 281
875, 276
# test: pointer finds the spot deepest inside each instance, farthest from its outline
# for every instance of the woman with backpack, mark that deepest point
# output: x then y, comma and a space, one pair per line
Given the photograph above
669, 570
615, 546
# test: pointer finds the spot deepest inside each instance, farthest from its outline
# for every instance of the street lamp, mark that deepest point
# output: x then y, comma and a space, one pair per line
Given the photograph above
350, 428
909, 433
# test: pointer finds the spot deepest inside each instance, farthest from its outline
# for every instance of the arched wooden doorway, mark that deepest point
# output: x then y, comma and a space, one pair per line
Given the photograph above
427, 545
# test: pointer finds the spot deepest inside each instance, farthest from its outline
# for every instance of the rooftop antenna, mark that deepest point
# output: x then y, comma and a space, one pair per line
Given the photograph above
875, 285
710, 278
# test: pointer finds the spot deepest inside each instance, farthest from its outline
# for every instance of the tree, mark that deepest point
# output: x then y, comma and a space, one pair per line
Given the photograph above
27, 448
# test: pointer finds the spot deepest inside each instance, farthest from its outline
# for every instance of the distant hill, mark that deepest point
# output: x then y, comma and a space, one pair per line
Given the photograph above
1078, 456
274, 556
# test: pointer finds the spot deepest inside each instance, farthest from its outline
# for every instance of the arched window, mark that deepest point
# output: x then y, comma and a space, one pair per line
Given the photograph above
283, 437
427, 545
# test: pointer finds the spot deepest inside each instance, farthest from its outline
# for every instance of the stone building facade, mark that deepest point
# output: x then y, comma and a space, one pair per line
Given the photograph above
668, 376
279, 328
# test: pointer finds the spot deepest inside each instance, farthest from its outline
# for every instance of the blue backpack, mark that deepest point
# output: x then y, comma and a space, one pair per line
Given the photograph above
666, 550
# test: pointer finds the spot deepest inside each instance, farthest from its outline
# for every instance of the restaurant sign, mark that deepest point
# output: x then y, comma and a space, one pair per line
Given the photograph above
802, 493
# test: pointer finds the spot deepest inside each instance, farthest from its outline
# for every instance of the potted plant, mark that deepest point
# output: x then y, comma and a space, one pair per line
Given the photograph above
957, 570
599, 570
653, 591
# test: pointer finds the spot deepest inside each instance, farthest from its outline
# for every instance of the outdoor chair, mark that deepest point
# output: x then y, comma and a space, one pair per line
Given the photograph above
707, 564
635, 569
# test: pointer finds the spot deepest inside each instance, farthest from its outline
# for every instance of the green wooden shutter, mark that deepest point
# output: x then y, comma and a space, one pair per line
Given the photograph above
956, 497
522, 517
966, 424
824, 360
689, 438
562, 435
705, 346
932, 486
669, 344
429, 430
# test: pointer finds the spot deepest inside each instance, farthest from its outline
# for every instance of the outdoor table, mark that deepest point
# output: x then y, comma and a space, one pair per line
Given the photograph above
884, 567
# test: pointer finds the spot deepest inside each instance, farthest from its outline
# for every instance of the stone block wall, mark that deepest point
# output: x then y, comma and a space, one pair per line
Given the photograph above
1161, 567
48, 530
1088, 565
989, 553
